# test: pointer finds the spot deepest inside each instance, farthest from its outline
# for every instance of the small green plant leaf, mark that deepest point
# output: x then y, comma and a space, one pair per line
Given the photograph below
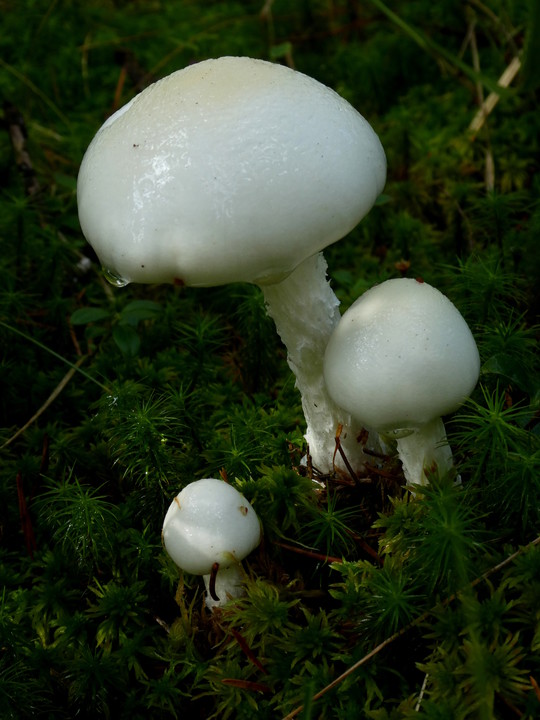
126, 338
280, 51
138, 310
83, 316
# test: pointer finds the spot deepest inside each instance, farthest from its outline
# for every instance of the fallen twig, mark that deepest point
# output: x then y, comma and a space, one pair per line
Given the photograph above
309, 553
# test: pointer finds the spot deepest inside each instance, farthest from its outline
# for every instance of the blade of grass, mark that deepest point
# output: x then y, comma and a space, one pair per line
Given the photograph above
493, 98
41, 95
52, 397
435, 49
39, 344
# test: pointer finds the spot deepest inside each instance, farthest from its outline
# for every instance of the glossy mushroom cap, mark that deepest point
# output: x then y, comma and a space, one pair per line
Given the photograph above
401, 356
210, 522
232, 169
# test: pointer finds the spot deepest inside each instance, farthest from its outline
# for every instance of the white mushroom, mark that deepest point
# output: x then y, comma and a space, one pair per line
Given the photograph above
208, 530
230, 170
401, 357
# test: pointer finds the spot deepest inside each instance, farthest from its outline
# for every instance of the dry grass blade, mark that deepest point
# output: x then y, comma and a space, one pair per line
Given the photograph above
493, 98
417, 621
52, 397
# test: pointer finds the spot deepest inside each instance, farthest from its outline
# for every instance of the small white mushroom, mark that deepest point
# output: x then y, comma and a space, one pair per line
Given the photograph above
208, 530
401, 357
231, 170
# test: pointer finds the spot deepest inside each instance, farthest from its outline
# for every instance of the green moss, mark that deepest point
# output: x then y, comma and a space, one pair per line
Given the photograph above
112, 400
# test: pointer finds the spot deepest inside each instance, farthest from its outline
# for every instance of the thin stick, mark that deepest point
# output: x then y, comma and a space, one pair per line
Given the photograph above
417, 621
309, 553
376, 650
341, 451
422, 691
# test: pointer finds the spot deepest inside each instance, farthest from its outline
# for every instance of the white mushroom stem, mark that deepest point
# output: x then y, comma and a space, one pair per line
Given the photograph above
229, 584
423, 450
306, 311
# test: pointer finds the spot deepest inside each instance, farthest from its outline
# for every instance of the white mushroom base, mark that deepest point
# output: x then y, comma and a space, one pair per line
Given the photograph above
305, 310
229, 584
424, 449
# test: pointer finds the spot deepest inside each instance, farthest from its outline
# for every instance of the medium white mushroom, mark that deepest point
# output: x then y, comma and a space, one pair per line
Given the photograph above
401, 357
208, 530
236, 169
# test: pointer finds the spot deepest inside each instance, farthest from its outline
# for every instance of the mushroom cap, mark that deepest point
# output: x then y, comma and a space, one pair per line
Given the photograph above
209, 521
232, 169
401, 355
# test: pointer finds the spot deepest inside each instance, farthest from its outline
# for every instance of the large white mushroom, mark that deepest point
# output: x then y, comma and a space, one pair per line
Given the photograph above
401, 357
208, 530
236, 169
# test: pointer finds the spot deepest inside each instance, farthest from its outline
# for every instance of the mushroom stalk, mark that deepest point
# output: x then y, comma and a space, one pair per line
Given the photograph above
424, 449
305, 310
229, 584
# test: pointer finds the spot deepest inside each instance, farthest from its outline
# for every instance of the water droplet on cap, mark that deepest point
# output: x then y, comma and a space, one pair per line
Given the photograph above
115, 279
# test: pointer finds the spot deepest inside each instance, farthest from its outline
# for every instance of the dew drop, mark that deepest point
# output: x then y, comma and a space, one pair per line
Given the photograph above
399, 433
115, 279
